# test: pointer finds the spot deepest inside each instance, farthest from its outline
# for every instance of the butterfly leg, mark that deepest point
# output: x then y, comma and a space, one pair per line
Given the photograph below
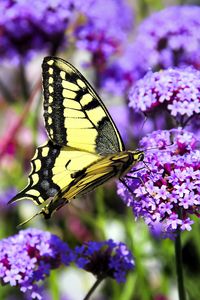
131, 177
133, 171
129, 189
54, 205
126, 186
135, 177
145, 166
142, 181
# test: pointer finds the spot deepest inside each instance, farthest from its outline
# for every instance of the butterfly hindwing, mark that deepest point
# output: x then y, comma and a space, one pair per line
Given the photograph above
40, 185
91, 176
52, 171
74, 114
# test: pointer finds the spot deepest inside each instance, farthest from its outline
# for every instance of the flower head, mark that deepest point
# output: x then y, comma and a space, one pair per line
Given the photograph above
49, 25
102, 19
41, 25
104, 259
28, 257
177, 90
166, 193
162, 40
118, 76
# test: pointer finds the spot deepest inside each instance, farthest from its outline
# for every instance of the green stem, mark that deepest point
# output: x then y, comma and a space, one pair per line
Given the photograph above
93, 288
143, 9
24, 83
53, 284
6, 93
179, 267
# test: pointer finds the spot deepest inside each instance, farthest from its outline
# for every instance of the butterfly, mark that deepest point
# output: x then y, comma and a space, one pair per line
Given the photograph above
84, 148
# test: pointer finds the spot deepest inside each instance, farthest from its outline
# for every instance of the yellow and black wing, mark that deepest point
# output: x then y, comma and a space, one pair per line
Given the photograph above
81, 133
74, 114
53, 170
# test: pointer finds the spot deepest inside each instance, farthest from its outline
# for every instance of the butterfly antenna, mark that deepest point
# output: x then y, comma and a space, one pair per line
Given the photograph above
156, 148
143, 122
145, 119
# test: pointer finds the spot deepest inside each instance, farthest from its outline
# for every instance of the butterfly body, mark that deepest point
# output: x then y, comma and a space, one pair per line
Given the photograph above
99, 172
84, 149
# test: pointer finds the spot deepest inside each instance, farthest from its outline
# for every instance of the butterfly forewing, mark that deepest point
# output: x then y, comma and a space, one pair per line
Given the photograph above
74, 114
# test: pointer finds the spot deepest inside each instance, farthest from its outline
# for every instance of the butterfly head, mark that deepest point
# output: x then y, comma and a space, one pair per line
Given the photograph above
131, 159
138, 155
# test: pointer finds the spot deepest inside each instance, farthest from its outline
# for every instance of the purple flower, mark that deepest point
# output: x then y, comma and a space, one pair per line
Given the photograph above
162, 40
103, 27
177, 90
28, 257
105, 259
41, 25
168, 192
119, 75
50, 25
5, 196
121, 117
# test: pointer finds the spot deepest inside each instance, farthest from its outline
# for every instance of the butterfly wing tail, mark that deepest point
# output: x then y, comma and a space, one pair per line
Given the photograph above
40, 186
24, 195
53, 206
46, 211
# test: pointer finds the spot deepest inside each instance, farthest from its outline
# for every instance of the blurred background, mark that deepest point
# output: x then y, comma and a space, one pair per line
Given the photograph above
113, 43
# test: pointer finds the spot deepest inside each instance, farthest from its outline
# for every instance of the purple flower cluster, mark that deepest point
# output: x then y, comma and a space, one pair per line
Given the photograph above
29, 26
166, 193
27, 258
168, 38
118, 76
104, 27
104, 259
177, 90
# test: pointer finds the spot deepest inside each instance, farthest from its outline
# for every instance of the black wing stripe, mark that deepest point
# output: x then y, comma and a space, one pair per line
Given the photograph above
93, 104
59, 136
